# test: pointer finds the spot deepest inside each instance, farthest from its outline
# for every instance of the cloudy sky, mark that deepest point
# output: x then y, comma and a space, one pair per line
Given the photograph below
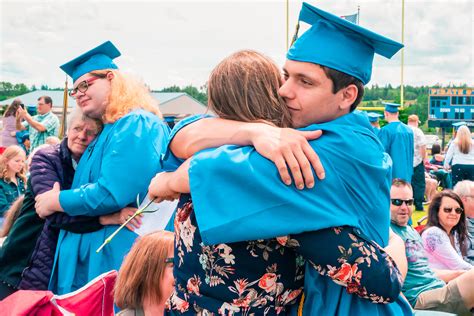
179, 42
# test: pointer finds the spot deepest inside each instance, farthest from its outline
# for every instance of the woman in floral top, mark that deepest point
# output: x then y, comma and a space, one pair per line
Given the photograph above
263, 277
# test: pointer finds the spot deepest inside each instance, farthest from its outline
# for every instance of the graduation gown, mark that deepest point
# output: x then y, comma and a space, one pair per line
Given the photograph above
398, 141
118, 165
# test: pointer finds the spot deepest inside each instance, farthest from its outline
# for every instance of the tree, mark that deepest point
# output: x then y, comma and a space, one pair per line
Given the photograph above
9, 90
198, 94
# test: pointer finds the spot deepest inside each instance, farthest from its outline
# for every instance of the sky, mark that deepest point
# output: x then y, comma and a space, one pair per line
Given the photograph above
178, 42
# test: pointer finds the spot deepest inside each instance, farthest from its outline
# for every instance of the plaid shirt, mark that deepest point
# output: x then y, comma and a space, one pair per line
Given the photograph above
50, 122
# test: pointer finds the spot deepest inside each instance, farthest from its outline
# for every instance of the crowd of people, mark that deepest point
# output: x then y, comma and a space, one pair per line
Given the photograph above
291, 201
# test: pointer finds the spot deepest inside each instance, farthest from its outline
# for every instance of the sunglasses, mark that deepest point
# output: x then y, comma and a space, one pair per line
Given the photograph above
83, 86
458, 210
399, 202
169, 260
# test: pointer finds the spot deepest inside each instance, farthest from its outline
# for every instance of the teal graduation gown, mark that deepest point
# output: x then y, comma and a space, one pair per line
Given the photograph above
117, 166
398, 141
250, 202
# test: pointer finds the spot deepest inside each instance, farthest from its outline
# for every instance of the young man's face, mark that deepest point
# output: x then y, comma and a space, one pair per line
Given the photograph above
308, 94
401, 214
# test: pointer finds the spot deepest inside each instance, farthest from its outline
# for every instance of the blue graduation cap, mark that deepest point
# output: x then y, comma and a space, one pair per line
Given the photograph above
391, 107
339, 44
98, 58
373, 117
457, 125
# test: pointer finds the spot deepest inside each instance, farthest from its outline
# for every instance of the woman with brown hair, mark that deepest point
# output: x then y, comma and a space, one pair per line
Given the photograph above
445, 235
9, 124
460, 156
145, 280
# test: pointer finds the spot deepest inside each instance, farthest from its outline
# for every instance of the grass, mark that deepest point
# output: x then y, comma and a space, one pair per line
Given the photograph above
419, 214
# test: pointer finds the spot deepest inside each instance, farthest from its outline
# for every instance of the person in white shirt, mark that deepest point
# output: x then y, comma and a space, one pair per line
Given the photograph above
460, 156
418, 181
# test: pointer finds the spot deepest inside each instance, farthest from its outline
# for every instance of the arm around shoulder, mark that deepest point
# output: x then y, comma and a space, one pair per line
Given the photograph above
208, 133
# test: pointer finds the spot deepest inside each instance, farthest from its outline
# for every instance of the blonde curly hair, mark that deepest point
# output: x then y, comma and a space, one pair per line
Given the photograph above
126, 94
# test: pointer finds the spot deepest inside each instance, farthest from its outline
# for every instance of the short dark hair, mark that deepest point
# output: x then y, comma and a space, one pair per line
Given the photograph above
46, 99
341, 80
433, 219
398, 182
435, 149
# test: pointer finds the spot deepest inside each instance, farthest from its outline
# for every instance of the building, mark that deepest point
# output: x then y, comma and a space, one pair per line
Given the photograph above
447, 106
173, 105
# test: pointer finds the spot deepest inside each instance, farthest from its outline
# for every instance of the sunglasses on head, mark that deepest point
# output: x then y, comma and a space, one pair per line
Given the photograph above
458, 210
399, 202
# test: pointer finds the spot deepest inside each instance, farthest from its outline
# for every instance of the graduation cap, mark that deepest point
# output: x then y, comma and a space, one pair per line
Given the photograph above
374, 117
457, 125
339, 44
391, 107
98, 58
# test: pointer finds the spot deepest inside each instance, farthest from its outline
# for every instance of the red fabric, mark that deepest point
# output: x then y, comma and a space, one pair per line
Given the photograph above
420, 228
2, 149
95, 298
34, 303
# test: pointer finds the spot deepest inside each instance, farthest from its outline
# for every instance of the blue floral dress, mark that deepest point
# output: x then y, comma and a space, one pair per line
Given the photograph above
265, 277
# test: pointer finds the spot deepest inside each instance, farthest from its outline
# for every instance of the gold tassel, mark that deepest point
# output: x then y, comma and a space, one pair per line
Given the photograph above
300, 307
295, 37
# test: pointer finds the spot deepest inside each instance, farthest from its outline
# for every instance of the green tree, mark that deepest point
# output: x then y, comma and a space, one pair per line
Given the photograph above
198, 94
9, 90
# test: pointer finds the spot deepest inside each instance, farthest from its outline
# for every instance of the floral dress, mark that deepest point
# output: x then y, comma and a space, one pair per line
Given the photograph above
264, 277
